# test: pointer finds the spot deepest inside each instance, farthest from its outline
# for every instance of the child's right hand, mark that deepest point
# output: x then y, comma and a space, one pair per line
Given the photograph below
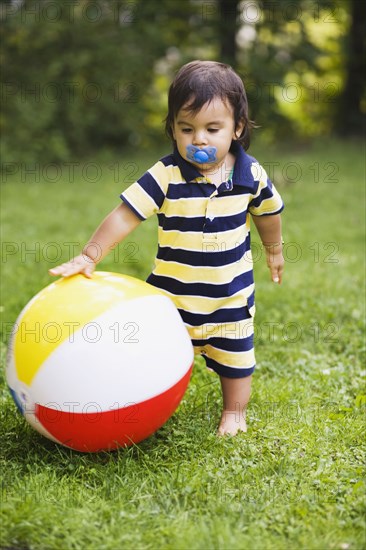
80, 264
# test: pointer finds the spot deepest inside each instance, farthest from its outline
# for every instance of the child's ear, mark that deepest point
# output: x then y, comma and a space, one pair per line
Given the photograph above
239, 130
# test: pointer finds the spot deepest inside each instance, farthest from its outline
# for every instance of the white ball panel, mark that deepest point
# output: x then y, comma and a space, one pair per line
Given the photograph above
141, 349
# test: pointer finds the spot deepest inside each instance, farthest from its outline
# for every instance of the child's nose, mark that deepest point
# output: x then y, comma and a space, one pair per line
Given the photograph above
199, 138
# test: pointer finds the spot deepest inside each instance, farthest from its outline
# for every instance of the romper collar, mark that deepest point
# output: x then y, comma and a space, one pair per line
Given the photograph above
188, 170
242, 175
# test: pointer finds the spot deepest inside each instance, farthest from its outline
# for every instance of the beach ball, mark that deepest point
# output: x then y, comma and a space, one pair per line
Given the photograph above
101, 363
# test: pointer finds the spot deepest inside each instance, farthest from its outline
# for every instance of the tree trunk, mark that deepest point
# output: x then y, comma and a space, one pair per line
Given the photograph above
227, 29
349, 119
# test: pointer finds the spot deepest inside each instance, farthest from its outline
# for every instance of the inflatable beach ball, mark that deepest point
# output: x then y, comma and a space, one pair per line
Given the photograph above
95, 364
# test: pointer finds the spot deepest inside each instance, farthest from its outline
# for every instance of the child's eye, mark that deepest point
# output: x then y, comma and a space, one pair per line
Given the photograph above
186, 130
213, 130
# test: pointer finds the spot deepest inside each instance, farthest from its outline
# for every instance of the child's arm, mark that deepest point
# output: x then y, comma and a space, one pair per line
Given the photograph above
116, 226
269, 229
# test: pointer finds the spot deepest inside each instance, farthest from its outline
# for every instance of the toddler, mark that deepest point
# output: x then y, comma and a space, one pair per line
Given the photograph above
204, 193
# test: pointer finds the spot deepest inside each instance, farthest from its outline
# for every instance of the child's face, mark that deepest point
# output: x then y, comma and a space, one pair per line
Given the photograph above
212, 126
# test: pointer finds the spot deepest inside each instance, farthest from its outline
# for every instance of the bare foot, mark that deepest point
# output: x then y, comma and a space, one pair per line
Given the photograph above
231, 423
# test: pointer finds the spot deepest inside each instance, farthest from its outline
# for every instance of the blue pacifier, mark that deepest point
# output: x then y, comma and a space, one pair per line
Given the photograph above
202, 156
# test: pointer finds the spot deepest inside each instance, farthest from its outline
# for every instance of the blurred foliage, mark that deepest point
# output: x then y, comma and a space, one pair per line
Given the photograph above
79, 76
74, 75
296, 59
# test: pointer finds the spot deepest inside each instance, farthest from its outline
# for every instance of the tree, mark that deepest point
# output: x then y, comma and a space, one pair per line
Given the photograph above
228, 24
349, 119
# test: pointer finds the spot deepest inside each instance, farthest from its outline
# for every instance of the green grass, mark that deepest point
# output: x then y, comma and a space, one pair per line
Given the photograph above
296, 479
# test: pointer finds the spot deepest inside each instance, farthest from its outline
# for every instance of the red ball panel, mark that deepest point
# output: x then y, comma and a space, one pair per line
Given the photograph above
108, 430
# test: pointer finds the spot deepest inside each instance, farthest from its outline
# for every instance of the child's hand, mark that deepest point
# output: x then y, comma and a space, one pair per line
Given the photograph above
80, 264
275, 262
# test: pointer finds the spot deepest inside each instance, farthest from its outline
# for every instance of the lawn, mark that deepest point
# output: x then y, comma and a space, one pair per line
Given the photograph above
296, 479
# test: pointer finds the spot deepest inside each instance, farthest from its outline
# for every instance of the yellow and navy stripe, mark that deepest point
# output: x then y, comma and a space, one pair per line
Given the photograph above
204, 260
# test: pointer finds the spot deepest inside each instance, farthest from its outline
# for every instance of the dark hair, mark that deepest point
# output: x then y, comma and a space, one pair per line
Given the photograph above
199, 82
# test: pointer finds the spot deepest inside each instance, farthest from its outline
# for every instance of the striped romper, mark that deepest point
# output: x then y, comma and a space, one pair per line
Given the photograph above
204, 262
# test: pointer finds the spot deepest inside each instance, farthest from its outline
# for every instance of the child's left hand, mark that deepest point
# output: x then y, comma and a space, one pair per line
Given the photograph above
275, 262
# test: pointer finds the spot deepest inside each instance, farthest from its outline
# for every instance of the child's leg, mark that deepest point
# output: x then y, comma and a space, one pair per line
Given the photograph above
236, 395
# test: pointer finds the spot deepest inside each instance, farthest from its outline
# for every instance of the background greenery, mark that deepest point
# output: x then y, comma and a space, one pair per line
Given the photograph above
81, 76
84, 95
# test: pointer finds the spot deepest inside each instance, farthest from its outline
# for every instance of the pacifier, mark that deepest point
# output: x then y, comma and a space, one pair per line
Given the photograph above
206, 155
